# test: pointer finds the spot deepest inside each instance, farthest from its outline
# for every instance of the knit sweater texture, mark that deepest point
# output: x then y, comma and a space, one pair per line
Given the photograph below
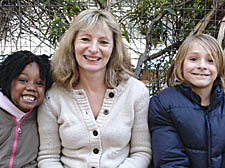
71, 137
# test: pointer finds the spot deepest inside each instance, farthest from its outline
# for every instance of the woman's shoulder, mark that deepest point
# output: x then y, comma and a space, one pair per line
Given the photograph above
135, 88
133, 82
57, 91
132, 87
55, 97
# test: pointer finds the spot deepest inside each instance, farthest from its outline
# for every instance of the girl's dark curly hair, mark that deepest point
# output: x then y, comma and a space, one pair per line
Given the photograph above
15, 63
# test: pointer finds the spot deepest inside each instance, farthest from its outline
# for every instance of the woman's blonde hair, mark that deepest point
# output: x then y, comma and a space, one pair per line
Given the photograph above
175, 72
64, 65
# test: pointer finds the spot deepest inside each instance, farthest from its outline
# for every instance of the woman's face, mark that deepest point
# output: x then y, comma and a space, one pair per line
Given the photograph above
93, 48
27, 90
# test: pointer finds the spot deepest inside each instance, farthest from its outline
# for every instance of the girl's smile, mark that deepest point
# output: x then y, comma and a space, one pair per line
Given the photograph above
27, 90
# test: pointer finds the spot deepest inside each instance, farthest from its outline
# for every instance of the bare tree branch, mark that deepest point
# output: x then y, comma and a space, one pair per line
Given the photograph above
201, 26
143, 57
221, 33
173, 46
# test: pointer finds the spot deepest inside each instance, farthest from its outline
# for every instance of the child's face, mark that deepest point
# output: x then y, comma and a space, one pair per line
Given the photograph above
199, 68
27, 90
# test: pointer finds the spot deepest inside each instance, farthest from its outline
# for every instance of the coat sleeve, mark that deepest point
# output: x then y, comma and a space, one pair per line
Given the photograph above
140, 144
167, 147
50, 145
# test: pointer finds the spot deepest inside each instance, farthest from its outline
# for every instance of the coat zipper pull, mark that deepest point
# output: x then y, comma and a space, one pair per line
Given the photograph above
19, 130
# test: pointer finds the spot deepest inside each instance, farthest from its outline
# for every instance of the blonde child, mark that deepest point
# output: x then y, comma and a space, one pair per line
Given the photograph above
187, 119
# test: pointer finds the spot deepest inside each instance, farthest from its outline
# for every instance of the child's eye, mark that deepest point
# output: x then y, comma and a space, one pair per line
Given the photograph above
40, 83
210, 60
193, 59
23, 80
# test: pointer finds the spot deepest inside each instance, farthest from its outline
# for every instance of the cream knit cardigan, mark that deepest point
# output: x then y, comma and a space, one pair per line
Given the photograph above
70, 137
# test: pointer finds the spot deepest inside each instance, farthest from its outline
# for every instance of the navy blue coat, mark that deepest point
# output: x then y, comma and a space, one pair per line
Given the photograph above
184, 133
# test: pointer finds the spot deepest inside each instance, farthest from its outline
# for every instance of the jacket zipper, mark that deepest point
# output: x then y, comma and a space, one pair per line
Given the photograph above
208, 138
15, 141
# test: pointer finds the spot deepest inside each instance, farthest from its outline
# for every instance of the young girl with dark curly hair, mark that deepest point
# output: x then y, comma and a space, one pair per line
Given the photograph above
25, 77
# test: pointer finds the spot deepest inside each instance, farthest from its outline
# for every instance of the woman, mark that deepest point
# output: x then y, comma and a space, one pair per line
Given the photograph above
95, 115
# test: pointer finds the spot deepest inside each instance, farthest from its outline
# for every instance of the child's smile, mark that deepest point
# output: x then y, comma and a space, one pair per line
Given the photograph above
29, 98
27, 90
199, 68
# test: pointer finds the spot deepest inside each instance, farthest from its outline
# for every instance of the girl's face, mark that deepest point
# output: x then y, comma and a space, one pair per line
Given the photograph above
93, 48
199, 68
27, 90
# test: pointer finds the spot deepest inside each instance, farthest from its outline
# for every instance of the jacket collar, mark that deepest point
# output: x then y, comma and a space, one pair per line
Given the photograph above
9, 107
215, 98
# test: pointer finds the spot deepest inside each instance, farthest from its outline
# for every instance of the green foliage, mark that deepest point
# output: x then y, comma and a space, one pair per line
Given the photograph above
176, 20
125, 33
168, 22
180, 18
64, 13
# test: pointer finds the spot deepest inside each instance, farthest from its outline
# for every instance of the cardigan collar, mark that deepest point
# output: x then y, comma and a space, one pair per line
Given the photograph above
116, 91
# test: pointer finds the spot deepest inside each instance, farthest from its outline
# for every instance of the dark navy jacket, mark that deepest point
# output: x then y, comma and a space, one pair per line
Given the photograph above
184, 133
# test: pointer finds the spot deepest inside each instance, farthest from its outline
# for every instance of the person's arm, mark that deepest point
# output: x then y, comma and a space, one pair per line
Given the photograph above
167, 147
140, 146
50, 144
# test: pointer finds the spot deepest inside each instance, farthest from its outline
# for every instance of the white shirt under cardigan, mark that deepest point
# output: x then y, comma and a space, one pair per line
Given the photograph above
70, 137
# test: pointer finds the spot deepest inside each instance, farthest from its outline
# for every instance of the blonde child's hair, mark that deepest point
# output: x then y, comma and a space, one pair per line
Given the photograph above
175, 72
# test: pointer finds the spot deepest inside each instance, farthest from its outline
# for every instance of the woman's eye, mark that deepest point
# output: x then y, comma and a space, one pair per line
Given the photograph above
84, 39
104, 42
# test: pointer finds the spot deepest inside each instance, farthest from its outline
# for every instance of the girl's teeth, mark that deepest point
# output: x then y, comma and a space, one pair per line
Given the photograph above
28, 98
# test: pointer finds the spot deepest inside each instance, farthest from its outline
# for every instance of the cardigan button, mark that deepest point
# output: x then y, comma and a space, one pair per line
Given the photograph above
95, 133
80, 93
106, 112
95, 151
111, 94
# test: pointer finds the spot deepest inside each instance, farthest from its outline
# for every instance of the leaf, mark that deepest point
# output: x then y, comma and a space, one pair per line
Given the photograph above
46, 3
171, 11
125, 33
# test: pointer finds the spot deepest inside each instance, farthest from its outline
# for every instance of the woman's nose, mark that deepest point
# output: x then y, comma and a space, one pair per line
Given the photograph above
93, 48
